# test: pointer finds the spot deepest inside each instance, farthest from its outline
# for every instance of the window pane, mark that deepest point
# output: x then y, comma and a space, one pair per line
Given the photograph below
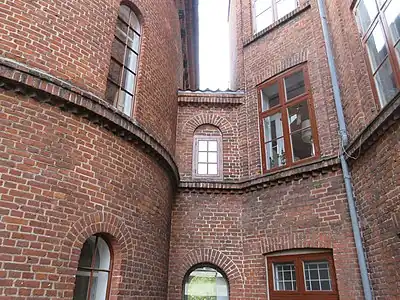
111, 92
121, 30
299, 117
385, 83
133, 40
102, 260
131, 60
273, 127
206, 283
128, 81
115, 71
202, 145
392, 14
264, 20
398, 51
124, 102
85, 260
269, 97
285, 277
118, 50
294, 85
366, 12
302, 144
261, 5
212, 145
202, 157
134, 22
275, 153
316, 276
99, 286
81, 285
285, 6
212, 169
202, 169
212, 157
376, 46
124, 13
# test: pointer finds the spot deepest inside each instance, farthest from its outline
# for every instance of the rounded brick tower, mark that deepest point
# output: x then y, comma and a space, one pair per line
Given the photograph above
88, 104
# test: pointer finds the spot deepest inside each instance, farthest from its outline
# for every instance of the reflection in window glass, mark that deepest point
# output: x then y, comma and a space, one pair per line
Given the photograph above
385, 83
273, 127
366, 12
376, 46
294, 85
270, 96
392, 15
317, 277
206, 283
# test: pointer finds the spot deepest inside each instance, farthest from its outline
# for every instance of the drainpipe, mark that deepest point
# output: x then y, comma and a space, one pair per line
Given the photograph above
345, 168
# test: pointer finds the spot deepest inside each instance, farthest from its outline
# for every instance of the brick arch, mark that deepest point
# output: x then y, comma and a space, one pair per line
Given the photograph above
214, 257
296, 240
223, 124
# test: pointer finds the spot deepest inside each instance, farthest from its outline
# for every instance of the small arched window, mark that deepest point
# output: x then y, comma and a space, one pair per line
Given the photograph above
121, 81
206, 283
94, 270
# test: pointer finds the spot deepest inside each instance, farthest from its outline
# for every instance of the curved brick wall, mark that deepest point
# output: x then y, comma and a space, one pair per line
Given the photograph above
71, 40
64, 178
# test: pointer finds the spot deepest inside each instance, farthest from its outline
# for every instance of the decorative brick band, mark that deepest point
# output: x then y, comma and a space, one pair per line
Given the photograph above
209, 97
46, 88
223, 124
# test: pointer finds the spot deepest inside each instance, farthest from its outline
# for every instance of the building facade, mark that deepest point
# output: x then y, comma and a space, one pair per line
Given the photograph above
120, 179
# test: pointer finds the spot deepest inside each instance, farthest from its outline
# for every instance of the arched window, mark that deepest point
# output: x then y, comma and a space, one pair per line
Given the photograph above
206, 283
94, 270
122, 74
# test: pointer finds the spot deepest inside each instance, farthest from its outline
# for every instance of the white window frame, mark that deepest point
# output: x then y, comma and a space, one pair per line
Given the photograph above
195, 157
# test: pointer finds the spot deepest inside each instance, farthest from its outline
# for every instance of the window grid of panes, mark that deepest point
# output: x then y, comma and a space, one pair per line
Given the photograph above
317, 277
379, 24
207, 157
122, 74
285, 277
267, 12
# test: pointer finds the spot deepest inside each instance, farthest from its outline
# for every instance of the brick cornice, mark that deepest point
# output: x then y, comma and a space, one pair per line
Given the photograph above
210, 97
44, 87
322, 166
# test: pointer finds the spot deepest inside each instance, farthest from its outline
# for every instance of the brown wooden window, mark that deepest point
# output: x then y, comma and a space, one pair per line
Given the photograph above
121, 81
266, 12
379, 24
287, 123
94, 270
302, 277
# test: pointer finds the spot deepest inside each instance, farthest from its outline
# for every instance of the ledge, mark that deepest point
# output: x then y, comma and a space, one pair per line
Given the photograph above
43, 87
322, 166
389, 115
303, 7
211, 97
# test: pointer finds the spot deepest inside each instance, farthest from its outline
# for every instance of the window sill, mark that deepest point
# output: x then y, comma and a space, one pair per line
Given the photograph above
278, 23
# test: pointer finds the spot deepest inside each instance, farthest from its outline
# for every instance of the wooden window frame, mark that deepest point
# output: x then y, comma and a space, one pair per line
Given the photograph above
301, 293
282, 108
394, 61
196, 140
92, 269
274, 14
120, 84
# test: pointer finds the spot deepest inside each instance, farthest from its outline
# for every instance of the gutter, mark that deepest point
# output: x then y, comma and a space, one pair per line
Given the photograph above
344, 140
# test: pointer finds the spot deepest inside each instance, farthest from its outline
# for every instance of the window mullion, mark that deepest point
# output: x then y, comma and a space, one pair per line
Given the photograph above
285, 124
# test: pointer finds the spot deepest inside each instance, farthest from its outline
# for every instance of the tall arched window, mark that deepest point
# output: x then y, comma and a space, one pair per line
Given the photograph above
94, 270
206, 283
122, 74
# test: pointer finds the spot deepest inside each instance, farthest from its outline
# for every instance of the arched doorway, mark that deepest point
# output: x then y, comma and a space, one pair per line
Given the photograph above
205, 283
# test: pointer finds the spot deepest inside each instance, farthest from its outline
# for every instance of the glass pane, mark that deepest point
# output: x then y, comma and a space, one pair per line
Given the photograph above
115, 71
202, 169
302, 144
102, 260
285, 277
85, 260
124, 13
212, 157
212, 169
99, 286
264, 20
202, 145
317, 276
134, 22
398, 51
261, 5
131, 60
275, 153
366, 12
133, 41
121, 30
206, 283
294, 85
118, 50
81, 285
203, 157
285, 6
385, 83
376, 46
128, 81
111, 92
124, 102
392, 14
212, 145
269, 97
298, 116
273, 127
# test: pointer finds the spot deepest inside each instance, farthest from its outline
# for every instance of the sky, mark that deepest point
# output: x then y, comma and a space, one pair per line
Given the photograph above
213, 44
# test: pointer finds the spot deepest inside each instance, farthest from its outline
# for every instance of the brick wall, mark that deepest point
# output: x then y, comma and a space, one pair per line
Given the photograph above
62, 179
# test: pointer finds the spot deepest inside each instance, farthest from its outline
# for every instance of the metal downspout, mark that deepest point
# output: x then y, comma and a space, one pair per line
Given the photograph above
345, 168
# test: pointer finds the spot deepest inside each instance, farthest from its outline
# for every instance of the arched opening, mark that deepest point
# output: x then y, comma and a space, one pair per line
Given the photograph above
205, 282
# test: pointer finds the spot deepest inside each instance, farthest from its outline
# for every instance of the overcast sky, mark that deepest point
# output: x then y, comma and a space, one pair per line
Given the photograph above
214, 44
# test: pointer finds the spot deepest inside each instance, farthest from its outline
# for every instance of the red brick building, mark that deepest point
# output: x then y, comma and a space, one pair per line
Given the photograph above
119, 179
